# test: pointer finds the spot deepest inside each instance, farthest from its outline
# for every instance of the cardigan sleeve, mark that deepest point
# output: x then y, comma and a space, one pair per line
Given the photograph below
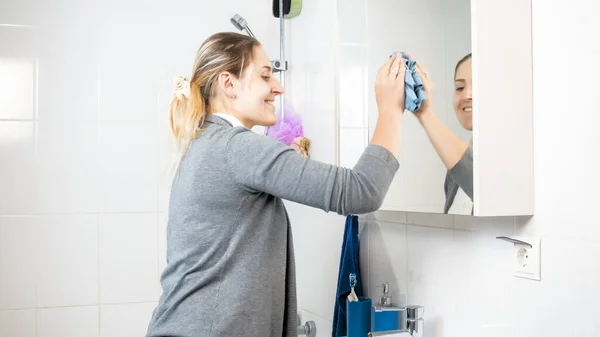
262, 164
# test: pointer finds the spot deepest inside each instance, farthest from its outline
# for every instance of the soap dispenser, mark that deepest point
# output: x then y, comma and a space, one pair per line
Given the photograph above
385, 300
386, 316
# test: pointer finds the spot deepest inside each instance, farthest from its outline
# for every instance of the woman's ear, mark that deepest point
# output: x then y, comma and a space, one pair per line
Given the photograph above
226, 84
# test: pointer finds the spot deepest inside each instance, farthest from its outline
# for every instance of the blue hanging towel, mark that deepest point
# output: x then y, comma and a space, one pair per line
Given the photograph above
413, 86
349, 263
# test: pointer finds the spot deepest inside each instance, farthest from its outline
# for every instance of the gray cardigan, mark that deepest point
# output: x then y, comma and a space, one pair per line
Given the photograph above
461, 175
230, 256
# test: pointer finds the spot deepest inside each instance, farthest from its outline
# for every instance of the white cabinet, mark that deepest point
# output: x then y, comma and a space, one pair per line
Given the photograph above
499, 127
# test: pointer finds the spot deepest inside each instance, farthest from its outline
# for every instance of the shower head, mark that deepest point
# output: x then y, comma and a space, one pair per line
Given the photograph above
238, 22
241, 24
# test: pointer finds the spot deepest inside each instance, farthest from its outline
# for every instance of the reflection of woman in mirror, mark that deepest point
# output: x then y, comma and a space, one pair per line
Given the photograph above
456, 155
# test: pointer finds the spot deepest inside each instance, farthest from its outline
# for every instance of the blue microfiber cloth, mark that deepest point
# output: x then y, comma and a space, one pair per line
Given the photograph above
413, 86
349, 263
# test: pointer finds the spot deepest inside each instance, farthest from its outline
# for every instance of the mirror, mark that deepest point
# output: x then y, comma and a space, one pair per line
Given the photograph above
436, 34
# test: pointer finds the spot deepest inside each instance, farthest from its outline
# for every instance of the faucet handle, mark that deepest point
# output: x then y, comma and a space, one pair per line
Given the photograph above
414, 311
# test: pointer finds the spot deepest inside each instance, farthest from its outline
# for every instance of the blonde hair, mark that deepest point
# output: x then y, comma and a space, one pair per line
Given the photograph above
221, 52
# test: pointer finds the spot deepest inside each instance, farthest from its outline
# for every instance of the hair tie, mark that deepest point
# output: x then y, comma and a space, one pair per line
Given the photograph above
182, 87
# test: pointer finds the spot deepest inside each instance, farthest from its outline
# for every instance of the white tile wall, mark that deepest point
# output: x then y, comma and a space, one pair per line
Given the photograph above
68, 322
324, 325
309, 85
17, 90
162, 246
165, 167
55, 234
128, 167
67, 255
18, 237
318, 239
449, 270
128, 73
67, 57
128, 275
125, 320
355, 141
560, 289
84, 91
67, 171
18, 323
352, 21
17, 172
433, 273
387, 260
352, 86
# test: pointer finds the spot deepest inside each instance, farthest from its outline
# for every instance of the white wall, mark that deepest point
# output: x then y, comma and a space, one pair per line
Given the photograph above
312, 52
82, 243
83, 97
453, 265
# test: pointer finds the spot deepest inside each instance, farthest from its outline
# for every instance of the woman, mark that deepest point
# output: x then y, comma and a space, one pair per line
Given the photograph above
230, 255
456, 155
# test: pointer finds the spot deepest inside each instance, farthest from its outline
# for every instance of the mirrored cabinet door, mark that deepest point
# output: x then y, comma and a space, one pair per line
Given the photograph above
479, 86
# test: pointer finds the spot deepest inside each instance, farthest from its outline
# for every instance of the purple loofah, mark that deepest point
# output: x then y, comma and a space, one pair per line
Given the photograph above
289, 129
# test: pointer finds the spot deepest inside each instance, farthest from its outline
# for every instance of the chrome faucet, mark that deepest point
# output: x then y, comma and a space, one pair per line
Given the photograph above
414, 324
414, 320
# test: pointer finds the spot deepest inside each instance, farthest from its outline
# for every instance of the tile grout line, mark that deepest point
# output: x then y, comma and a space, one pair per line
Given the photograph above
365, 291
158, 226
317, 315
37, 301
37, 308
158, 179
31, 215
98, 194
37, 312
407, 261
99, 292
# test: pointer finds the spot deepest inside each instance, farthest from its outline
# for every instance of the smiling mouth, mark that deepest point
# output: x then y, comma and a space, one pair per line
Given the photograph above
270, 102
468, 110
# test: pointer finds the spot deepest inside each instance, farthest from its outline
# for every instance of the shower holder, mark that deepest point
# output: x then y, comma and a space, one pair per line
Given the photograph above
278, 65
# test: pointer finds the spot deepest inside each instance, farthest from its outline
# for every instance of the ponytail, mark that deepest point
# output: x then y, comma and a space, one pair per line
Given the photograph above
187, 113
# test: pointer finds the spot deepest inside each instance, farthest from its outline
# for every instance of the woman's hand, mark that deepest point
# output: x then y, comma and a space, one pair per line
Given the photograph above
389, 85
449, 147
389, 92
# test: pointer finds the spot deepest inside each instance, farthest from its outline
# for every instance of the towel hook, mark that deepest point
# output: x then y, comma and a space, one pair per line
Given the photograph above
514, 241
309, 328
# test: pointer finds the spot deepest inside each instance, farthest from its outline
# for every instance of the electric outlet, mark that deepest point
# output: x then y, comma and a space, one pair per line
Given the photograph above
527, 260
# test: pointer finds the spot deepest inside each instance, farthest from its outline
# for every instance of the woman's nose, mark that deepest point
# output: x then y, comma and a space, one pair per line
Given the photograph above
277, 89
469, 94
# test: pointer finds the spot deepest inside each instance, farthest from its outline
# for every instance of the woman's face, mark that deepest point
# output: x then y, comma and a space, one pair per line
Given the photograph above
463, 95
256, 92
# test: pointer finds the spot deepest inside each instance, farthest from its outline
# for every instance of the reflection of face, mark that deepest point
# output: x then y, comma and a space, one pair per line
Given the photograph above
463, 95
256, 92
